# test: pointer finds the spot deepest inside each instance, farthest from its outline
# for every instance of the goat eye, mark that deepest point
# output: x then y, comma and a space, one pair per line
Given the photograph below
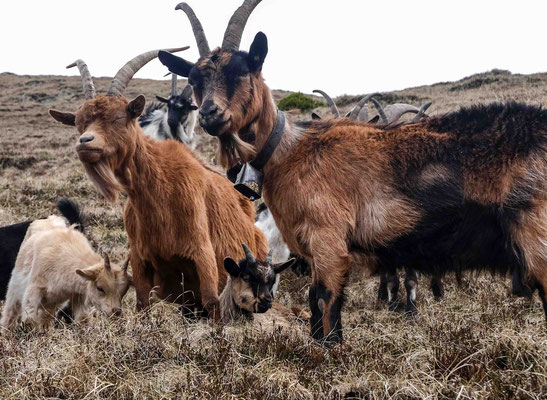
246, 278
100, 289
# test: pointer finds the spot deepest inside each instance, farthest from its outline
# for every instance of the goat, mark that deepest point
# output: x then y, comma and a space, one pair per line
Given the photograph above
250, 289
181, 217
12, 236
56, 265
177, 122
418, 195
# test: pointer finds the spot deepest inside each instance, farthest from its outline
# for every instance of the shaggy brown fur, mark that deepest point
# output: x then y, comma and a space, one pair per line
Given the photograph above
465, 189
181, 217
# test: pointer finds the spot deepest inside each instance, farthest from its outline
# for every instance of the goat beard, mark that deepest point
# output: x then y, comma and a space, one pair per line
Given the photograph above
102, 176
232, 149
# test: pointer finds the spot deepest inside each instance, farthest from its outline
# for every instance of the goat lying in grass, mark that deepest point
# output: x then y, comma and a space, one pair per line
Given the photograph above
250, 290
56, 264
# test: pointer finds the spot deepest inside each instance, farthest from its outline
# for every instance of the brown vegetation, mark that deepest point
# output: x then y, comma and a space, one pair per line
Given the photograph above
479, 342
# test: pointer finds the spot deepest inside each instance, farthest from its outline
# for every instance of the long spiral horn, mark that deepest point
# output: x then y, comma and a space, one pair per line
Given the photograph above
330, 102
87, 82
248, 254
124, 75
234, 30
199, 33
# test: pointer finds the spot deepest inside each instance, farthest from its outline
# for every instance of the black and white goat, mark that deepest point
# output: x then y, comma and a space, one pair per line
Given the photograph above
250, 291
177, 121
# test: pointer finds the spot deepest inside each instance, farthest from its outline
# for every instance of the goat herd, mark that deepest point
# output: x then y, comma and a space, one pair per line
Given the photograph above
436, 194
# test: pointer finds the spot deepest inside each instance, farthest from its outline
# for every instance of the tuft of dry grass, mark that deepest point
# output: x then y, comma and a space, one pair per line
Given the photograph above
478, 342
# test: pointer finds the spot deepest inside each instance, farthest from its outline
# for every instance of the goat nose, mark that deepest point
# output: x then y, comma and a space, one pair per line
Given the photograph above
85, 139
208, 108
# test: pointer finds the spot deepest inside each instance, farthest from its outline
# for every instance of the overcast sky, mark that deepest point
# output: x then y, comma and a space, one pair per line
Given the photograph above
343, 46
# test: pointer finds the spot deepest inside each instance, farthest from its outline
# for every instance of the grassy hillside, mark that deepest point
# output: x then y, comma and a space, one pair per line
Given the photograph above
478, 342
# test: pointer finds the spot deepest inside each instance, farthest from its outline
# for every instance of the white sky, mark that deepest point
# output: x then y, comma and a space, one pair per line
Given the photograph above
343, 46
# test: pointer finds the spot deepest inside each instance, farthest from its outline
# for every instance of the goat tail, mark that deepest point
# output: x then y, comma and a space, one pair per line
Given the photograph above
71, 211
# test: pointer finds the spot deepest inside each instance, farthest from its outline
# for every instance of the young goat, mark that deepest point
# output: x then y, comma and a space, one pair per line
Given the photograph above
177, 122
420, 195
251, 288
181, 217
12, 236
56, 265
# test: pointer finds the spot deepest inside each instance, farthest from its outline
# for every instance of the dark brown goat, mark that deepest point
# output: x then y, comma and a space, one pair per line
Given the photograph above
181, 217
468, 188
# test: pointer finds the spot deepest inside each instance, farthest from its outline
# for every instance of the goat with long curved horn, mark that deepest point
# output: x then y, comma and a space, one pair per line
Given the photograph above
330, 102
248, 254
124, 75
199, 33
234, 31
87, 82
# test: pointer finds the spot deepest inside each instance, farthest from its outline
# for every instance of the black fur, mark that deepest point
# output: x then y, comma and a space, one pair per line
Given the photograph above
11, 237
71, 211
236, 68
317, 292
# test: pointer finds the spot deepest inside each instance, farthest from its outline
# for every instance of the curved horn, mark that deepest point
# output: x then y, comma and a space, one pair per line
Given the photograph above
330, 102
173, 84
269, 256
421, 113
124, 75
380, 111
248, 255
354, 113
87, 82
199, 33
395, 111
232, 36
106, 262
187, 92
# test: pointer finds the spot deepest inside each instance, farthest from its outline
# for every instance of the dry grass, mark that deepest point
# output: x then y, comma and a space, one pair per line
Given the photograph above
478, 342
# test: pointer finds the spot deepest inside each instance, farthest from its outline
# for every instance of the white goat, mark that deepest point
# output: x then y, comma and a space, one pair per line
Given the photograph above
56, 264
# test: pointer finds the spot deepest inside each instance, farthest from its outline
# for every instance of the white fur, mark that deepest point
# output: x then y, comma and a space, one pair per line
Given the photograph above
185, 132
44, 277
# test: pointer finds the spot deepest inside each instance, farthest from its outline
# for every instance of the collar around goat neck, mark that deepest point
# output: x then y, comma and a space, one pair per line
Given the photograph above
273, 140
247, 178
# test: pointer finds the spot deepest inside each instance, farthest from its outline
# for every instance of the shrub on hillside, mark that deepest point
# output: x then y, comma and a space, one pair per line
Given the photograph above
298, 100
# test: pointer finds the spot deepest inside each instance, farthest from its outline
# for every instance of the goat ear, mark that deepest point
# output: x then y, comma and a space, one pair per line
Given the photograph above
175, 64
87, 274
136, 106
278, 268
315, 116
63, 118
162, 99
231, 267
258, 51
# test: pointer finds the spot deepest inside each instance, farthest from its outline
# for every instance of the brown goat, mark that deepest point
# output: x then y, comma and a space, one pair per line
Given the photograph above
468, 188
181, 217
